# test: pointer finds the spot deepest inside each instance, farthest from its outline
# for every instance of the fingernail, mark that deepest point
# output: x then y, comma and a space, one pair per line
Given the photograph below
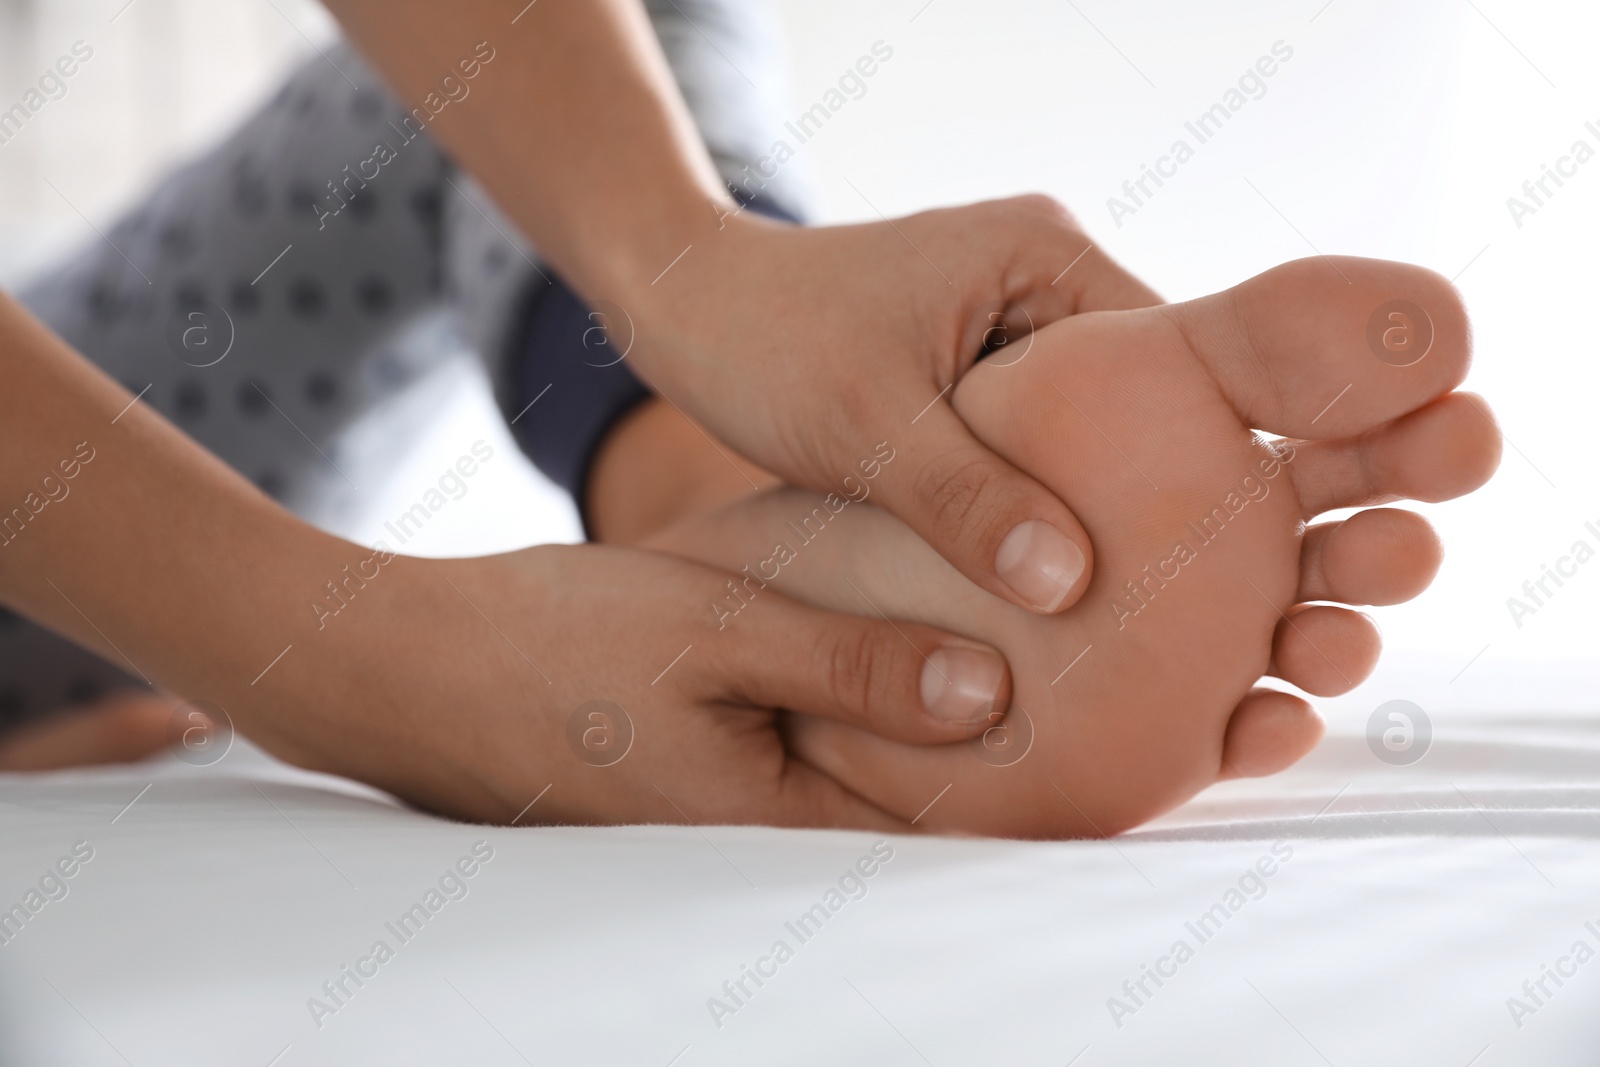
961, 684
1039, 563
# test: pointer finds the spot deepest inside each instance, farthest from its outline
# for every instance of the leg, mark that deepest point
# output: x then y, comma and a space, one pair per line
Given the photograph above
257, 321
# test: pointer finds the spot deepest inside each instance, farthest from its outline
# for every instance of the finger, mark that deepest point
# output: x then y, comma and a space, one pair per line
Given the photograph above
1378, 556
902, 681
1268, 732
796, 795
1007, 533
1324, 650
1332, 346
808, 798
1442, 451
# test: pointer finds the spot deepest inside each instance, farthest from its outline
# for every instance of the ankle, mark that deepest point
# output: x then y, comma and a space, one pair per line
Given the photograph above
656, 467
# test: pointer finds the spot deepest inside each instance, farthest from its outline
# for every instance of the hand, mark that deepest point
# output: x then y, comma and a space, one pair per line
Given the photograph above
803, 348
466, 686
806, 348
424, 676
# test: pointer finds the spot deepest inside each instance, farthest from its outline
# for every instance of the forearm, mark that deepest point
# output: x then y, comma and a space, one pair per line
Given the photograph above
120, 533
575, 126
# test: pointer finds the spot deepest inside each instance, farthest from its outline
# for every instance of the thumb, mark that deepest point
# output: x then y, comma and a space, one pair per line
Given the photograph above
1002, 529
901, 681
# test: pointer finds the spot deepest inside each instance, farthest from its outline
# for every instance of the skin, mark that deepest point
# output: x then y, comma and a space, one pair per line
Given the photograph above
1165, 701
798, 346
206, 582
1169, 702
447, 682
121, 727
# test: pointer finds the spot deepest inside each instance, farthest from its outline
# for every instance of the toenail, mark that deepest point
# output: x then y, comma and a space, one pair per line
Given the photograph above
961, 684
1040, 564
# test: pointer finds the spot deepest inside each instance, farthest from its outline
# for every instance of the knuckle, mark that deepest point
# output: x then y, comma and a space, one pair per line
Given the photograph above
953, 495
855, 669
1046, 208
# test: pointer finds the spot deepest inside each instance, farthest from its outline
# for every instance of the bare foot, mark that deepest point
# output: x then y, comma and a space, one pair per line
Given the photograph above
121, 727
1146, 691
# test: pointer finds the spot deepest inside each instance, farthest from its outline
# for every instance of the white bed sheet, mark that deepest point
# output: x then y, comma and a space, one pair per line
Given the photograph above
1407, 914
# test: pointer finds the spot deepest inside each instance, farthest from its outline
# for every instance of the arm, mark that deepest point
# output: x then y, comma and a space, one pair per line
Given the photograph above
575, 126
802, 348
452, 683
121, 534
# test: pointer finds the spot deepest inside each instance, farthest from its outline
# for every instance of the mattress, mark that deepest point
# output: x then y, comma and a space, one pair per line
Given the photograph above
1349, 911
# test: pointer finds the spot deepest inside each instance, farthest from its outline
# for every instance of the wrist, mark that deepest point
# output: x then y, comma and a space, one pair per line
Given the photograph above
442, 664
670, 281
626, 256
355, 681
275, 630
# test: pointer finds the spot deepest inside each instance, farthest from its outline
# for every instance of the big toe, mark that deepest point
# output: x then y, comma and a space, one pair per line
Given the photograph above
1331, 346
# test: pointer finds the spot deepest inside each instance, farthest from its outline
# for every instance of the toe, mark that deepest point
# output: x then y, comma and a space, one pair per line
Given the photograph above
1332, 346
1268, 732
121, 727
1324, 650
1444, 450
1378, 556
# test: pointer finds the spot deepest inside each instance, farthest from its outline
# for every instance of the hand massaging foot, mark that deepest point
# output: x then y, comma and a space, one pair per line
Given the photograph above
1143, 422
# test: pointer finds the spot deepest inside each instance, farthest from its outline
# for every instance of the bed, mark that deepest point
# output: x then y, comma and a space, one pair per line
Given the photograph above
1350, 911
